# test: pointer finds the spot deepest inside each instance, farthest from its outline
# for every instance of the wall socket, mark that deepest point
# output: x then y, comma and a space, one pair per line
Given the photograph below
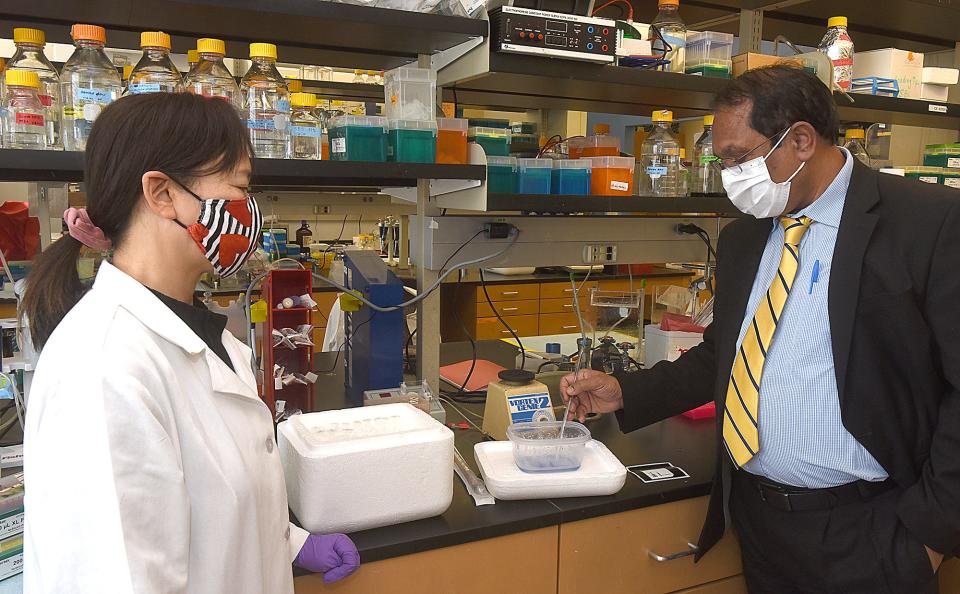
320, 209
599, 253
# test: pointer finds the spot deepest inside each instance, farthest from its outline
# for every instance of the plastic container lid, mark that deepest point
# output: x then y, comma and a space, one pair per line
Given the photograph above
932, 170
23, 78
412, 125
855, 133
837, 21
502, 162
453, 124
303, 100
668, 2
535, 164
516, 376
193, 56
613, 162
154, 39
481, 131
712, 37
540, 447
358, 120
294, 85
27, 35
408, 75
708, 120
88, 33
601, 141
662, 115
601, 129
263, 50
211, 46
539, 433
572, 164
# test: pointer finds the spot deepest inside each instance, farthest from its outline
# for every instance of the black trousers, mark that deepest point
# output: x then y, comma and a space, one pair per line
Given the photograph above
850, 549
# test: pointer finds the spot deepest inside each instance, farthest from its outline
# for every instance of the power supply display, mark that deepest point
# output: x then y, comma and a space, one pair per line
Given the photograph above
540, 33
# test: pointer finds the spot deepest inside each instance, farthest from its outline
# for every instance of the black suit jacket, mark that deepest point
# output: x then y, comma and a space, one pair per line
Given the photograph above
894, 307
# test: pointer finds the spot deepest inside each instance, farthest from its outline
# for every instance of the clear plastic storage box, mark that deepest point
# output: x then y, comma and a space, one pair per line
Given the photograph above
929, 175
410, 94
534, 176
412, 141
494, 141
709, 54
358, 138
501, 175
612, 176
571, 177
452, 141
601, 145
539, 447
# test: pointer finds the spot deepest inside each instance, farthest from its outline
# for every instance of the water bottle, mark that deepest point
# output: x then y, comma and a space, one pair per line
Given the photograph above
673, 31
268, 103
853, 141
88, 83
839, 48
210, 77
305, 128
155, 72
29, 56
24, 115
660, 159
706, 178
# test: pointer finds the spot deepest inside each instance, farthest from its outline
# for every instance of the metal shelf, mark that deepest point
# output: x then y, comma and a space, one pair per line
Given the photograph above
551, 204
66, 166
306, 31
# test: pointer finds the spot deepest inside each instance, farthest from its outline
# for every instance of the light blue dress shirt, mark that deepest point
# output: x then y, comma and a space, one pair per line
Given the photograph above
802, 439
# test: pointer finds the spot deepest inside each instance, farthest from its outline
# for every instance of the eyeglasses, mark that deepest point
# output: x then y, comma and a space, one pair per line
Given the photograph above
736, 165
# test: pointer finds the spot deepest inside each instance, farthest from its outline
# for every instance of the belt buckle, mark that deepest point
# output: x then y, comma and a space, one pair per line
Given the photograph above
775, 498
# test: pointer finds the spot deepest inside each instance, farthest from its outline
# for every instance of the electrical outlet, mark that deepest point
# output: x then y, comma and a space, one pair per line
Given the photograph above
318, 209
599, 253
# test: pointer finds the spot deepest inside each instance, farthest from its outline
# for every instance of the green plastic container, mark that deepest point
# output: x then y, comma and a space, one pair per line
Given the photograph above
358, 138
942, 155
951, 178
929, 175
501, 175
489, 123
523, 128
494, 141
412, 141
710, 70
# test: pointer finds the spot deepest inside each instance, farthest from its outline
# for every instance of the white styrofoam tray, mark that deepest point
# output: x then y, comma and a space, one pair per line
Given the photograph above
600, 474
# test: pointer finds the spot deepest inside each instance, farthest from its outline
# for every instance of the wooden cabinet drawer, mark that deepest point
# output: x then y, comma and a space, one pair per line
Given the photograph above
509, 292
562, 305
563, 289
508, 308
324, 301
492, 329
318, 334
558, 323
734, 585
613, 554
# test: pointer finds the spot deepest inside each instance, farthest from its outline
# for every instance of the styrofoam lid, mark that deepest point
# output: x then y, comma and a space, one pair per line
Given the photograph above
359, 428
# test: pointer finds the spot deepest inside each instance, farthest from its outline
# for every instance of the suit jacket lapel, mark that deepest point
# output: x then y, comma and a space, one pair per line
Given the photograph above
856, 228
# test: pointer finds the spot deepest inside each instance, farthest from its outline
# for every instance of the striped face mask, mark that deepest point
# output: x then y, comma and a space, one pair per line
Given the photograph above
227, 231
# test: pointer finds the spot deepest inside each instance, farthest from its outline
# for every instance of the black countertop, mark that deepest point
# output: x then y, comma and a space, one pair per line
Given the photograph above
688, 444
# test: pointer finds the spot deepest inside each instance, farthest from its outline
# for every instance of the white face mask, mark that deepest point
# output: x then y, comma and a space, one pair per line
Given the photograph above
752, 191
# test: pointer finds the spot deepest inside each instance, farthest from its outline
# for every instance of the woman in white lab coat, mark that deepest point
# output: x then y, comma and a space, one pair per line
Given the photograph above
150, 461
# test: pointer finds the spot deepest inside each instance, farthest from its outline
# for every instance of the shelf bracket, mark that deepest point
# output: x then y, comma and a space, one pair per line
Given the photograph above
442, 59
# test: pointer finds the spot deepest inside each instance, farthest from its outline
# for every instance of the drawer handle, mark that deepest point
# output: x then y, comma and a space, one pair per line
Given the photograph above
568, 290
510, 293
505, 332
570, 305
568, 327
688, 553
510, 309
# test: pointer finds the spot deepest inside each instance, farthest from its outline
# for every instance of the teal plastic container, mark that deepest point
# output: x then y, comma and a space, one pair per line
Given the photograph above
942, 155
358, 138
494, 141
571, 177
534, 176
412, 142
501, 175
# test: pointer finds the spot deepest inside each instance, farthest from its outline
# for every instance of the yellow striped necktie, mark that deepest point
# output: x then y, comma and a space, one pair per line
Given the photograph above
741, 432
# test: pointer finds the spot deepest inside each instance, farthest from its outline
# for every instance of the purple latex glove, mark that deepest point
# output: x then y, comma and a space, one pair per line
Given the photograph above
333, 555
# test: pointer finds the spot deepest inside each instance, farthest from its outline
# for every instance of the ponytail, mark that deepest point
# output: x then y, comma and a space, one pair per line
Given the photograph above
53, 288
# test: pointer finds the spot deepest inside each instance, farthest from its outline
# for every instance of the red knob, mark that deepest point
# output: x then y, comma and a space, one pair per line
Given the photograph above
540, 36
606, 31
605, 47
522, 34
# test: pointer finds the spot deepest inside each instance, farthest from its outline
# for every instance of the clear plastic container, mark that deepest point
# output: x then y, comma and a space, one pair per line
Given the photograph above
853, 141
838, 46
155, 72
494, 141
612, 176
452, 141
660, 172
575, 147
571, 177
928, 175
709, 54
24, 115
706, 179
210, 76
534, 176
29, 56
501, 175
88, 83
601, 145
358, 138
673, 31
410, 94
539, 447
305, 131
267, 103
410, 141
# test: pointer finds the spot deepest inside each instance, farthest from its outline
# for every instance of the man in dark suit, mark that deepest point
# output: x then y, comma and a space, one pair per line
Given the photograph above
833, 357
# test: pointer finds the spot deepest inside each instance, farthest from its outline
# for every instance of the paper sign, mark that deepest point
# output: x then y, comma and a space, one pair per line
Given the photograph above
657, 472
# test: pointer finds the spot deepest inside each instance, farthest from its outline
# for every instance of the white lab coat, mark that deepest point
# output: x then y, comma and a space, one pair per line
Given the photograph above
151, 467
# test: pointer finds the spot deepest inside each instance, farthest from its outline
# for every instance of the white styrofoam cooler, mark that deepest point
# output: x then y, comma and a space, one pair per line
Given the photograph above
904, 66
361, 468
666, 345
601, 473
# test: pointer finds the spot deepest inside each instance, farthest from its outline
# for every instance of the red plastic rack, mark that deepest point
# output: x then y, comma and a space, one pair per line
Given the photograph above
279, 285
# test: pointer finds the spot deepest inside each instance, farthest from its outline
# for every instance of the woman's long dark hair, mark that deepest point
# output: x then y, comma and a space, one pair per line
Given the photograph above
184, 135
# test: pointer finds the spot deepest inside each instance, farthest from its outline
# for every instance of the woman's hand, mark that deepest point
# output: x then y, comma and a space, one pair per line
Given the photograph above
333, 555
590, 391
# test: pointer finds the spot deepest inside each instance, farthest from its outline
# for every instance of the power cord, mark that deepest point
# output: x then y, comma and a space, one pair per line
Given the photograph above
340, 350
523, 352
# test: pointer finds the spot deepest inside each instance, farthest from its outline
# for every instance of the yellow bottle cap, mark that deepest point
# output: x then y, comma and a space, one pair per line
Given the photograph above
154, 39
294, 85
662, 115
127, 70
88, 33
211, 46
837, 21
31, 36
263, 50
193, 56
855, 133
668, 3
708, 120
23, 78
303, 100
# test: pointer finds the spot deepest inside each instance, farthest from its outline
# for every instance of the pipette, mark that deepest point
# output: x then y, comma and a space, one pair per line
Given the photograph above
583, 361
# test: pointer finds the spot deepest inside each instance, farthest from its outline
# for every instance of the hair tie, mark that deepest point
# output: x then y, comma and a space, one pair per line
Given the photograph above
83, 230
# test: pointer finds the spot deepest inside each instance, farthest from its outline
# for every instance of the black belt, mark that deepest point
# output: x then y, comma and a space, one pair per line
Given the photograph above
787, 498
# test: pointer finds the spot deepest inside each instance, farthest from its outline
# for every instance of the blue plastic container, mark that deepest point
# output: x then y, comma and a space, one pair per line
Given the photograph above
501, 175
571, 177
534, 175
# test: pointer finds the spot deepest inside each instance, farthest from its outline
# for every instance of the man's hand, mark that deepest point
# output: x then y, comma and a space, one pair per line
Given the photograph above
590, 391
935, 558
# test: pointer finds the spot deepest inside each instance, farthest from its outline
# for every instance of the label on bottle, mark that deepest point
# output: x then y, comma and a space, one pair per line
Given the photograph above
620, 186
145, 87
96, 95
305, 131
953, 162
72, 113
268, 124
46, 100
674, 41
91, 111
928, 179
656, 171
707, 159
29, 119
952, 182
338, 145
